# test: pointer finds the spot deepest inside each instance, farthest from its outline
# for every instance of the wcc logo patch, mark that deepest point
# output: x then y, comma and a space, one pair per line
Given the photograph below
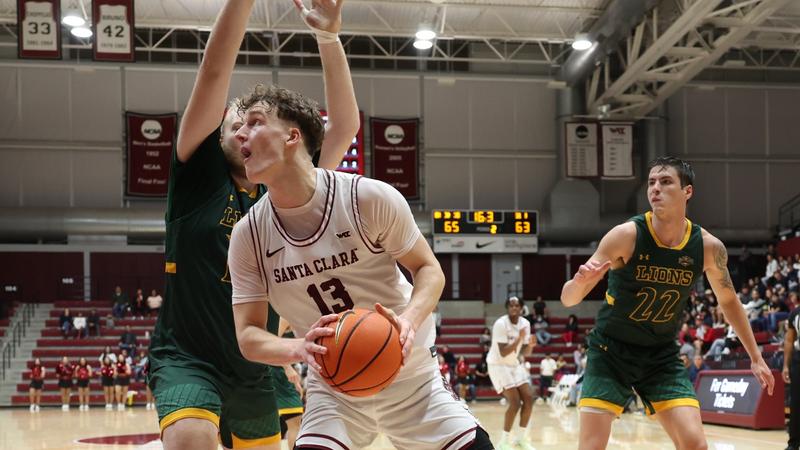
685, 261
343, 234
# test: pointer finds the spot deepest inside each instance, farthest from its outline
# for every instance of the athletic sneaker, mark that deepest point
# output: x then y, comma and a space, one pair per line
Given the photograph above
65, 407
33, 408
505, 446
525, 444
109, 406
120, 407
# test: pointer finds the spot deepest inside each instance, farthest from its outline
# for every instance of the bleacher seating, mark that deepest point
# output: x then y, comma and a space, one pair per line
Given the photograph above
51, 346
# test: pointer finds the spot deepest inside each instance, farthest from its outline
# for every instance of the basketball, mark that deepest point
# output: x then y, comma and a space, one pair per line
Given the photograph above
364, 353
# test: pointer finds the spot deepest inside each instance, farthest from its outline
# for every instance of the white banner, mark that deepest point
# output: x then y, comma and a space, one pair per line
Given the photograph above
485, 244
617, 150
581, 149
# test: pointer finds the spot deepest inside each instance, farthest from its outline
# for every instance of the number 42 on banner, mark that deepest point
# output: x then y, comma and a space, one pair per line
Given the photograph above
113, 30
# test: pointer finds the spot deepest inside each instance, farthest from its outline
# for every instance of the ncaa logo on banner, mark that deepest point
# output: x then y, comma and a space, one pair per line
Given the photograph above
151, 129
394, 134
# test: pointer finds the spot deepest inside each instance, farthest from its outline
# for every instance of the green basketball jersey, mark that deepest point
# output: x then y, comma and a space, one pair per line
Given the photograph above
195, 324
646, 297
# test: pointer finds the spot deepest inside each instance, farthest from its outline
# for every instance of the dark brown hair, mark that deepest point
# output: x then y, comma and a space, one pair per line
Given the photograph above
290, 106
684, 169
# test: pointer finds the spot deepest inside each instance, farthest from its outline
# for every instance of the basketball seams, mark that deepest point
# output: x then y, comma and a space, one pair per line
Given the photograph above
382, 384
366, 366
344, 348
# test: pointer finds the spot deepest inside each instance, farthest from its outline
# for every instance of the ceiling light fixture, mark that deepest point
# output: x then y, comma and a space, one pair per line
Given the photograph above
81, 32
423, 44
581, 42
426, 35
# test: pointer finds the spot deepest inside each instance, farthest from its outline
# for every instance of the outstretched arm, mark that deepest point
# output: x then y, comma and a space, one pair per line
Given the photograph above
210, 93
325, 19
611, 253
715, 258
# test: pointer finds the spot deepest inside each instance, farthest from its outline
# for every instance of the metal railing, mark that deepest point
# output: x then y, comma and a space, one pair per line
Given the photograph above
14, 338
789, 214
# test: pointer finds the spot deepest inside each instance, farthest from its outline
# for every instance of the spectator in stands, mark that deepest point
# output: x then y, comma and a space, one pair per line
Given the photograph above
109, 322
107, 379
791, 376
139, 306
83, 374
437, 320
93, 323
444, 368
744, 294
684, 331
126, 357
107, 353
450, 359
465, 385
79, 323
571, 332
540, 326
700, 327
37, 382
481, 371
547, 369
141, 365
122, 371
65, 323
64, 370
486, 337
772, 267
577, 356
778, 311
154, 302
698, 365
687, 348
119, 302
128, 340
540, 308
561, 368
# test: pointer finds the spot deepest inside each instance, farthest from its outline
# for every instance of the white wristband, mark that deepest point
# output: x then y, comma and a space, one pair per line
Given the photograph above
323, 37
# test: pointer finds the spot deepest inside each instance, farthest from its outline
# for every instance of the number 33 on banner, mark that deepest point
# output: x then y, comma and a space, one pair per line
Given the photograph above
114, 30
39, 30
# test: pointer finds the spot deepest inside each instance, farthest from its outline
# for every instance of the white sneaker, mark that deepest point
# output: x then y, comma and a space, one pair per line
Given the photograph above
85, 407
503, 401
109, 406
525, 444
33, 408
65, 407
120, 407
38, 408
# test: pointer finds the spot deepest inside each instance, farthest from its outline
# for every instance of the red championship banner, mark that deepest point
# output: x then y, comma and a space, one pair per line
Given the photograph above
39, 29
151, 141
113, 28
395, 154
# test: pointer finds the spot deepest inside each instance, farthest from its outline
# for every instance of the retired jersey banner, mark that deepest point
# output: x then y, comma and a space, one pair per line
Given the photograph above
39, 29
151, 141
395, 154
113, 28
581, 149
617, 139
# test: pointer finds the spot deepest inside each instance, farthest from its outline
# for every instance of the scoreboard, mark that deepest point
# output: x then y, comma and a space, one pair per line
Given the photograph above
485, 231
486, 222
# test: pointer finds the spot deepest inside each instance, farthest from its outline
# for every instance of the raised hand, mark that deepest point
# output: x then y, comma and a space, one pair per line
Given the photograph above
592, 271
325, 15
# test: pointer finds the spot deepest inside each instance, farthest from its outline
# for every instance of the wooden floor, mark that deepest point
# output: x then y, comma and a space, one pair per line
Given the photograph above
554, 428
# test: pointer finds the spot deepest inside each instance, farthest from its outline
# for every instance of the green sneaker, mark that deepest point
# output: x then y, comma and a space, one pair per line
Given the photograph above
525, 444
505, 446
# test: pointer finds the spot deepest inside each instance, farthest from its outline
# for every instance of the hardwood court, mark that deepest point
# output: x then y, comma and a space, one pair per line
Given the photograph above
554, 428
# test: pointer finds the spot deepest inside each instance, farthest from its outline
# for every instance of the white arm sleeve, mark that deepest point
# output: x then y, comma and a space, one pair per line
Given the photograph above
499, 333
248, 280
386, 217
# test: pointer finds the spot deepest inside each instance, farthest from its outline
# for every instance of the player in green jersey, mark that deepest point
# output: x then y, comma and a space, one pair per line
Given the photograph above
653, 260
205, 390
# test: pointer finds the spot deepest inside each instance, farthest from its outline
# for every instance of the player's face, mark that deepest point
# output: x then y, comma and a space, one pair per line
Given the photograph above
664, 191
264, 140
231, 146
514, 309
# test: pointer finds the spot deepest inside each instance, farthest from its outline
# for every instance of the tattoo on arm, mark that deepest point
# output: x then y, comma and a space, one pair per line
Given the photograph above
721, 259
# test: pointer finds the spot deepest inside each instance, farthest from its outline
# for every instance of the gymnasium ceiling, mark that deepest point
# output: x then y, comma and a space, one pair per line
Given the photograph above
658, 52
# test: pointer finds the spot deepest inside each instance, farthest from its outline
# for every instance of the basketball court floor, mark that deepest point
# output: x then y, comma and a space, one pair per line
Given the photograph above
554, 428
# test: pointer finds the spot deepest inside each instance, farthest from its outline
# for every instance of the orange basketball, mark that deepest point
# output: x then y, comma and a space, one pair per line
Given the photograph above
364, 354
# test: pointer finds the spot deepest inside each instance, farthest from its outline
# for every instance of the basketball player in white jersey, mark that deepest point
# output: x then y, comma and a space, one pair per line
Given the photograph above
511, 336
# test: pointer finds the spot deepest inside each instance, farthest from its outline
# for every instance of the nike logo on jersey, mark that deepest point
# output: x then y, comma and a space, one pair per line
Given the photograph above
342, 235
270, 254
479, 245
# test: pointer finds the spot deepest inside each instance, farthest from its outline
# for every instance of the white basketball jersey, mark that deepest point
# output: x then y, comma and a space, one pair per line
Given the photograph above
504, 332
335, 269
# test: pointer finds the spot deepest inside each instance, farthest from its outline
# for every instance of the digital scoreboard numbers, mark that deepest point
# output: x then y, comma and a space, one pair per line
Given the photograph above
486, 222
